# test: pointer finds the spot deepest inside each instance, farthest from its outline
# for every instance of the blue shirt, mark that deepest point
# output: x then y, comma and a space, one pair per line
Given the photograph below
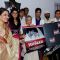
38, 21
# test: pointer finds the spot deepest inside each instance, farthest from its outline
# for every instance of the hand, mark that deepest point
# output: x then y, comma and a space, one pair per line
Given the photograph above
3, 40
22, 36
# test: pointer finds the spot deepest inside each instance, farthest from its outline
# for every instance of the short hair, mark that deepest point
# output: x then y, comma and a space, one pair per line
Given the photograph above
57, 11
38, 9
21, 10
28, 17
26, 8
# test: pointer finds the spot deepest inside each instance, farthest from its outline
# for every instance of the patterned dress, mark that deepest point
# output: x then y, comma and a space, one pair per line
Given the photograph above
9, 46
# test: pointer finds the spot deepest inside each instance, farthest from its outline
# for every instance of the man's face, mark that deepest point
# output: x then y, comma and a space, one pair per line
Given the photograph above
57, 15
38, 13
47, 15
21, 13
26, 11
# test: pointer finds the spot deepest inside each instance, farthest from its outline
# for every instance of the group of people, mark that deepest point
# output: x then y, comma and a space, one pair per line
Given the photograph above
6, 40
19, 18
37, 20
11, 26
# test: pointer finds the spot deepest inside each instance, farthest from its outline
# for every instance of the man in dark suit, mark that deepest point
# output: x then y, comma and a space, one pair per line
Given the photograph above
12, 4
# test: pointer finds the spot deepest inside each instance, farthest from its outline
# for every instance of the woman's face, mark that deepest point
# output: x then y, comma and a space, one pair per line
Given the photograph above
14, 14
4, 16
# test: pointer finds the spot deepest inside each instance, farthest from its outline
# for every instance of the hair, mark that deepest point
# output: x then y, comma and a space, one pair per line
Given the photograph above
57, 11
28, 17
38, 9
14, 9
2, 10
26, 8
5, 26
11, 19
21, 10
13, 1
26, 11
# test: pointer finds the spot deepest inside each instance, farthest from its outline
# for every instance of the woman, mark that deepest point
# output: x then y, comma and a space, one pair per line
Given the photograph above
14, 21
14, 24
7, 42
5, 38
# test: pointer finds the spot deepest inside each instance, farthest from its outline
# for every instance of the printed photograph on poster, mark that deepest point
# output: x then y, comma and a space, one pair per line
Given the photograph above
34, 37
33, 33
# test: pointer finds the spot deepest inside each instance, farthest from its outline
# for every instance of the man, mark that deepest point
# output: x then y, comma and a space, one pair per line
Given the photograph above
12, 4
57, 16
22, 17
26, 10
37, 19
47, 17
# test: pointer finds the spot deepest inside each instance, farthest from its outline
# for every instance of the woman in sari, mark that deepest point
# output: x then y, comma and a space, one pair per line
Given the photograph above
4, 35
14, 24
7, 42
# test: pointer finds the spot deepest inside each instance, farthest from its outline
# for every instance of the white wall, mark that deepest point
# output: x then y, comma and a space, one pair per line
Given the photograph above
45, 5
57, 1
2, 3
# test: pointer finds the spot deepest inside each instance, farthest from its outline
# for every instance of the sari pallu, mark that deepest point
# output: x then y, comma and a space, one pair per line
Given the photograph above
16, 47
8, 46
8, 52
4, 55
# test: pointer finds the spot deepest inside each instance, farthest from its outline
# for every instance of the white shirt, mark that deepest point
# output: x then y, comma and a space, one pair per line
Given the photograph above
47, 21
23, 22
55, 20
34, 21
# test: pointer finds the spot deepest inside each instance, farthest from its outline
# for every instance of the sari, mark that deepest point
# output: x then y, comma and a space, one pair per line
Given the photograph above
8, 46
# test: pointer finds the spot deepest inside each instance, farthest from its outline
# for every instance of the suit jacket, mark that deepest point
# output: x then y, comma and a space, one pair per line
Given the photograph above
8, 4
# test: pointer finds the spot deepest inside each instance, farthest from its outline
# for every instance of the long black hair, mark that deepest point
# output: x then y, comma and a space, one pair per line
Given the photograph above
11, 20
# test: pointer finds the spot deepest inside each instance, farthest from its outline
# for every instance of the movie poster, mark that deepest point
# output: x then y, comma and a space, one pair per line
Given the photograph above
34, 37
52, 34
